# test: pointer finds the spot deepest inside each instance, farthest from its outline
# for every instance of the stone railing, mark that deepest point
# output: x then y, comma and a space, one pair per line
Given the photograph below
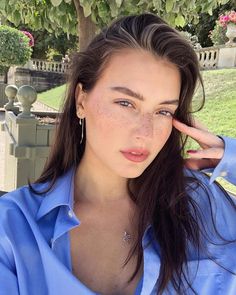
27, 135
217, 57
221, 56
46, 66
208, 57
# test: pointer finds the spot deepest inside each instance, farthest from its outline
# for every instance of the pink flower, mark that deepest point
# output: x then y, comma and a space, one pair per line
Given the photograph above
31, 41
228, 17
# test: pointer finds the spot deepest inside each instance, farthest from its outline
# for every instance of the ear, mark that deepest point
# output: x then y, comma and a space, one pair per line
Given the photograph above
80, 96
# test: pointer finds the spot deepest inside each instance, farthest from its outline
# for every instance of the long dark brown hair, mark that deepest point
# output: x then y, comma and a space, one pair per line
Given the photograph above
160, 192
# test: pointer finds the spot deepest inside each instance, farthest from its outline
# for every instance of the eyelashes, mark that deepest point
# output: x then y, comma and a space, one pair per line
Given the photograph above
127, 104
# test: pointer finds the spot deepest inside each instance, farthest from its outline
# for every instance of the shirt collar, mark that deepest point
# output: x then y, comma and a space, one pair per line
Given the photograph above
61, 194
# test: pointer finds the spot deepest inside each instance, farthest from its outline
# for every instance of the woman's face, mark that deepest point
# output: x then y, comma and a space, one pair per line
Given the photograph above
129, 111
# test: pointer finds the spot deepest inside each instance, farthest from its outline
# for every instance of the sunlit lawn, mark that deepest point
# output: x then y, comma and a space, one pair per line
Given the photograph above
53, 97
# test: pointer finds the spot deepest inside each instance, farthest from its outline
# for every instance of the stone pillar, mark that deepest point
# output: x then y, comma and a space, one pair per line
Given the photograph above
27, 142
11, 91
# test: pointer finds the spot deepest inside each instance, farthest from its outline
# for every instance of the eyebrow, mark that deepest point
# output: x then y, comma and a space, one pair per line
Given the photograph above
139, 96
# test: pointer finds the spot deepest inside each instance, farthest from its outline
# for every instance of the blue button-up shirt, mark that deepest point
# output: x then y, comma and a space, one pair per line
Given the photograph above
35, 246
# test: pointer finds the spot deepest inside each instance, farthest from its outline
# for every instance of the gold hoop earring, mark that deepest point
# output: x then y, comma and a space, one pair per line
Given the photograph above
81, 123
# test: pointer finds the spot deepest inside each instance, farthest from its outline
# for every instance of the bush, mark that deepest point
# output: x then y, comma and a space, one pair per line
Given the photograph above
217, 35
3, 70
192, 39
54, 55
15, 49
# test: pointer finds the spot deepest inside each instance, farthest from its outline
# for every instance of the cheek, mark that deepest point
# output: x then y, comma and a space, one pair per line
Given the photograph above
162, 131
110, 117
104, 121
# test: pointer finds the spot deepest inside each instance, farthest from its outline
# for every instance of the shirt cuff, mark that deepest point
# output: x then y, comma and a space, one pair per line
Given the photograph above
227, 165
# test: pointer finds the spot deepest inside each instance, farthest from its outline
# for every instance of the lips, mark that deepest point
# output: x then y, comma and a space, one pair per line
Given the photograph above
135, 155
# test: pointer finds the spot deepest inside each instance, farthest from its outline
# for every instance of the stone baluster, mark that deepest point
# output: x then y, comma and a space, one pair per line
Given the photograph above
26, 95
11, 91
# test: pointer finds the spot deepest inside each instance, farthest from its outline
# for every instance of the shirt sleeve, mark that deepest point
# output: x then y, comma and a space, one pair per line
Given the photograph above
227, 165
216, 216
8, 280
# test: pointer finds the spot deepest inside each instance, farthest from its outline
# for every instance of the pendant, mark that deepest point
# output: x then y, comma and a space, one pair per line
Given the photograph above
127, 237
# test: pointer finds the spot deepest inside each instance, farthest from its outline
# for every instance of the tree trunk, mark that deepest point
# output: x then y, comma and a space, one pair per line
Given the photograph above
86, 28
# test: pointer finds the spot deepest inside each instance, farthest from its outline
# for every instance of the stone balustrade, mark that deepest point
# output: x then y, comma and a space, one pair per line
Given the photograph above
208, 57
46, 66
28, 137
217, 57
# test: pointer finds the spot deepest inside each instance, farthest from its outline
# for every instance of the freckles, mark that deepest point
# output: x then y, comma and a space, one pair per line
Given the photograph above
107, 118
163, 130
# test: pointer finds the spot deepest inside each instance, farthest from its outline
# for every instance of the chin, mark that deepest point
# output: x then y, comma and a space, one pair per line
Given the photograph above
132, 174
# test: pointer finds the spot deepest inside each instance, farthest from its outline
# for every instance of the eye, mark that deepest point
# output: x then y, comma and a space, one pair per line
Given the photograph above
124, 103
165, 113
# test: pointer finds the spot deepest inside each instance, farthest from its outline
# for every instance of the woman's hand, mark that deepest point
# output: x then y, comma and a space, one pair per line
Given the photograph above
212, 146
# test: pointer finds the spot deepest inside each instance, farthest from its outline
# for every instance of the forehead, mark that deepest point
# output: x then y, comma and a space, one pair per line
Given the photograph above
143, 72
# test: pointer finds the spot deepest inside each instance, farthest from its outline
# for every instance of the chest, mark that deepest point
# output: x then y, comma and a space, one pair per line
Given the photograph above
98, 255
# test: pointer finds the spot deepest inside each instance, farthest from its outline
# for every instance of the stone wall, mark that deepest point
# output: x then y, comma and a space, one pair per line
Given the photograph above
40, 80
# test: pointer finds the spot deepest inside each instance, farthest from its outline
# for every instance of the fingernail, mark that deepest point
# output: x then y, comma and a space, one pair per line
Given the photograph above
191, 151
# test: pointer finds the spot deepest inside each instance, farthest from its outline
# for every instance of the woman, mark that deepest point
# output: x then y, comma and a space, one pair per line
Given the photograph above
117, 210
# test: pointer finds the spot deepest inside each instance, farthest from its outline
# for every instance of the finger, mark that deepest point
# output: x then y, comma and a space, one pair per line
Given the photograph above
198, 164
199, 125
201, 136
210, 153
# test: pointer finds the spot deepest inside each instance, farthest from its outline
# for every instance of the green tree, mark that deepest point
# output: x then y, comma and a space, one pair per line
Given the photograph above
207, 23
90, 15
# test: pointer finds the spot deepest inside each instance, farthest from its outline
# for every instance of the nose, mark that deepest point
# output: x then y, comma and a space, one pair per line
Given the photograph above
144, 128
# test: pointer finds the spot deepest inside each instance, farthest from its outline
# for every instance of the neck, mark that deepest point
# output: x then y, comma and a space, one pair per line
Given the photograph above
98, 185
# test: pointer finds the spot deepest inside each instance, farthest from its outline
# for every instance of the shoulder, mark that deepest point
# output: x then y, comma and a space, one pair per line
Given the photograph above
20, 202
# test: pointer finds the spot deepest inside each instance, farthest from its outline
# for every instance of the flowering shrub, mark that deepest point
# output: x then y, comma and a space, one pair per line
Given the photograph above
228, 17
30, 36
217, 35
15, 49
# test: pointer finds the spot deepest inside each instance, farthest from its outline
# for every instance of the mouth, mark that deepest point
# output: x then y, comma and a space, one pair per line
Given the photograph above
135, 155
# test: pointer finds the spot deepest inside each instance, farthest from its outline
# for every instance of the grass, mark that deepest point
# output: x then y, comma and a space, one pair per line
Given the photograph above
218, 114
53, 97
219, 111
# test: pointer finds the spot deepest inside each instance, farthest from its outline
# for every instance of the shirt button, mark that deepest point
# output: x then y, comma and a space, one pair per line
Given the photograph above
223, 173
70, 213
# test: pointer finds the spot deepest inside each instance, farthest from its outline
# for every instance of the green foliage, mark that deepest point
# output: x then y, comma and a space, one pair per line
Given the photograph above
41, 14
192, 39
207, 23
217, 35
54, 55
60, 15
15, 49
45, 41
3, 70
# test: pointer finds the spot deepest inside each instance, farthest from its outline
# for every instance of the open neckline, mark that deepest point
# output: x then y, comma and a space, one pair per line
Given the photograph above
138, 287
